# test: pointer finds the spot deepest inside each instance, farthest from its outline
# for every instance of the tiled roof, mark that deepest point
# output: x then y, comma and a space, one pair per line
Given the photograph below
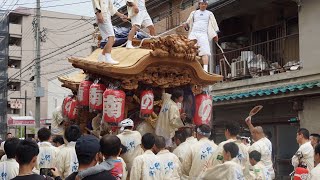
267, 92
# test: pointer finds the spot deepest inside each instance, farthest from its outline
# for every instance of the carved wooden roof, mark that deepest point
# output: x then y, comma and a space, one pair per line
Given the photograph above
172, 62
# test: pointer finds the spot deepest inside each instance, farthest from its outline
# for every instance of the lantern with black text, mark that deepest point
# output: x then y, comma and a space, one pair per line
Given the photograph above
96, 96
83, 93
146, 104
73, 113
113, 105
203, 109
66, 106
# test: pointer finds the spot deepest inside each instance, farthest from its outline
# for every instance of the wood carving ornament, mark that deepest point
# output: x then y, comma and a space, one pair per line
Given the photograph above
176, 46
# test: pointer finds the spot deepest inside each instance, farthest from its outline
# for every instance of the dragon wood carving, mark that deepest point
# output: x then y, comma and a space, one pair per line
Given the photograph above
176, 46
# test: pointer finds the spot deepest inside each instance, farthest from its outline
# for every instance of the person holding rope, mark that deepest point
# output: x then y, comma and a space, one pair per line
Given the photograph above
203, 27
139, 16
104, 11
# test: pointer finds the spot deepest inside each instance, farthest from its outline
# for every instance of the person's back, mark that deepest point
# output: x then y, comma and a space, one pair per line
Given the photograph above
147, 166
67, 161
47, 152
26, 155
169, 161
263, 146
171, 164
10, 168
182, 145
232, 130
200, 153
132, 140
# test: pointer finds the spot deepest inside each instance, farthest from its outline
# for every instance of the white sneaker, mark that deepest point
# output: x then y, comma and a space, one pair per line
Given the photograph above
101, 58
111, 61
129, 46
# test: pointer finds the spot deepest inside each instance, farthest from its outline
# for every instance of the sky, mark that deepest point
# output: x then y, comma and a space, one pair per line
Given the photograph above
78, 7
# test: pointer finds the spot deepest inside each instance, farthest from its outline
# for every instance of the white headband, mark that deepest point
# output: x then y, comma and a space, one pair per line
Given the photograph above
203, 133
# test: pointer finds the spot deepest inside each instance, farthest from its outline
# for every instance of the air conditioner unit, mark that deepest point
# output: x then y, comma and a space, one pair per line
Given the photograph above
239, 69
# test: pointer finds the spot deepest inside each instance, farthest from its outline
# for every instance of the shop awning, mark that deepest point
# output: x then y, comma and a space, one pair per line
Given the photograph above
25, 121
267, 92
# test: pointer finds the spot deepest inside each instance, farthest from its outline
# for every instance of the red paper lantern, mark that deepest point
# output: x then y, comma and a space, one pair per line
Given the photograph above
113, 105
96, 96
301, 173
73, 112
83, 93
66, 106
146, 104
203, 111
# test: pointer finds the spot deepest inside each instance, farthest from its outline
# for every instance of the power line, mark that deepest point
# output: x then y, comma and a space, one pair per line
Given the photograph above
28, 66
35, 2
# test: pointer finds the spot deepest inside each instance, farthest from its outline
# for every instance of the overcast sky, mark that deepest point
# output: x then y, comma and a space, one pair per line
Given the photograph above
78, 7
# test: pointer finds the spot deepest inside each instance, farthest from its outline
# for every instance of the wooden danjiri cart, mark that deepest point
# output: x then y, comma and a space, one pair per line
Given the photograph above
105, 94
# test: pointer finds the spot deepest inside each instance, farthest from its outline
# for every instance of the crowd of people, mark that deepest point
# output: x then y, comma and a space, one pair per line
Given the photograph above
130, 155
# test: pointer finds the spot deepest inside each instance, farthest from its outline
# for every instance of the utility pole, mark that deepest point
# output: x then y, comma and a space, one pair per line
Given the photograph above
25, 98
39, 92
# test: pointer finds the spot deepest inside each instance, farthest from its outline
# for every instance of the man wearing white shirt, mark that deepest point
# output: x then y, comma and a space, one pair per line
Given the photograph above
169, 161
199, 154
47, 152
104, 10
147, 166
204, 27
132, 140
229, 170
232, 130
263, 145
315, 172
305, 154
67, 161
140, 18
10, 168
182, 145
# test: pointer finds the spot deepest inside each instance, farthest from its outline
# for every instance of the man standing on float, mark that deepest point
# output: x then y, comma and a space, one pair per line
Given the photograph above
203, 27
139, 16
104, 10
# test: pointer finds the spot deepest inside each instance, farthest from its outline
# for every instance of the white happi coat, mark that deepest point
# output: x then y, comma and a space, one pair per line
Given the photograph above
264, 147
67, 161
146, 167
107, 8
47, 155
9, 169
259, 172
171, 165
181, 150
315, 173
308, 156
132, 140
198, 157
169, 118
229, 170
242, 158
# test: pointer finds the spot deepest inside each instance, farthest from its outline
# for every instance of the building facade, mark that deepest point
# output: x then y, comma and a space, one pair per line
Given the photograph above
271, 46
62, 35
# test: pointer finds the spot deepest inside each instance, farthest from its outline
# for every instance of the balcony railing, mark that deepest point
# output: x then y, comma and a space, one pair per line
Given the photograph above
262, 59
15, 29
15, 51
